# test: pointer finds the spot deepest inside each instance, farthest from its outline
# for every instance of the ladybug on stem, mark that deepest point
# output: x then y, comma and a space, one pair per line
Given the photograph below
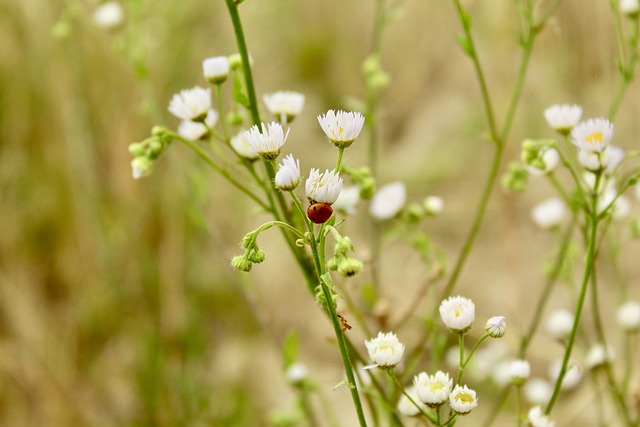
319, 213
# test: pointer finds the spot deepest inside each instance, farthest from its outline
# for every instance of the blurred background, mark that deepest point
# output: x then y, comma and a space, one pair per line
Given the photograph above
118, 305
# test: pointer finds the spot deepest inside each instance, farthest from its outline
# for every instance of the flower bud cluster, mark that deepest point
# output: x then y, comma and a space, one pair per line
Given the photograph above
146, 152
540, 155
252, 254
341, 262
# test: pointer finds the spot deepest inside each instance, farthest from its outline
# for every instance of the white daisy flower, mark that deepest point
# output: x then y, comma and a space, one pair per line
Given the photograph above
388, 201
519, 371
108, 15
458, 313
191, 104
537, 418
196, 130
563, 117
385, 351
348, 200
409, 408
296, 373
433, 390
242, 147
593, 135
538, 391
342, 128
268, 142
433, 205
628, 316
288, 176
598, 355
630, 8
141, 167
463, 400
550, 159
285, 105
216, 69
550, 213
572, 376
559, 323
323, 187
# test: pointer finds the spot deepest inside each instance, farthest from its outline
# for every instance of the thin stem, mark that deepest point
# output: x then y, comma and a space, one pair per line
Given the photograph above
461, 361
590, 259
320, 271
244, 54
339, 162
519, 417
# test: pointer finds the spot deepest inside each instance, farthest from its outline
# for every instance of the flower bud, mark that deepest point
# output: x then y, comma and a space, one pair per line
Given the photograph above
141, 166
349, 267
257, 256
496, 327
241, 263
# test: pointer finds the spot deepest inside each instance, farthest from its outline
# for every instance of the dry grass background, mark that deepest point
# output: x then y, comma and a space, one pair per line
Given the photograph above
117, 302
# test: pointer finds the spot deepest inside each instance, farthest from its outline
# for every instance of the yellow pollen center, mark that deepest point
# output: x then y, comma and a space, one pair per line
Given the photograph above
436, 386
458, 313
464, 398
595, 138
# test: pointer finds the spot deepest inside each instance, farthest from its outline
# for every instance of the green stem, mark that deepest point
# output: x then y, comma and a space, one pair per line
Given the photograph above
519, 417
461, 361
320, 271
244, 54
589, 262
339, 162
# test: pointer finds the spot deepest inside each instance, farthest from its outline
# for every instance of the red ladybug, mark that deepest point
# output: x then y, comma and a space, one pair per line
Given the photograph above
319, 213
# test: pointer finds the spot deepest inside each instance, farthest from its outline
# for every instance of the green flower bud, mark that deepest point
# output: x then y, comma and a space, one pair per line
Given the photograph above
241, 263
349, 267
319, 294
635, 228
155, 147
414, 212
332, 264
515, 179
343, 246
234, 118
257, 256
367, 188
137, 149
141, 166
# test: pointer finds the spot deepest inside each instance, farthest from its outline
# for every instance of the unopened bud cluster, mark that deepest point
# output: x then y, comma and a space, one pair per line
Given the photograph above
341, 262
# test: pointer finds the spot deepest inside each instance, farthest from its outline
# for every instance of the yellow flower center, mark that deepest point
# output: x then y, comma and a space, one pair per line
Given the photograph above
595, 138
458, 313
436, 386
464, 397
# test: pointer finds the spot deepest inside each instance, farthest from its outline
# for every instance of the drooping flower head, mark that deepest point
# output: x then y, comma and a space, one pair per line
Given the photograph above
537, 418
108, 15
348, 200
628, 316
563, 117
409, 408
559, 323
323, 187
630, 8
197, 130
342, 128
216, 69
288, 176
285, 105
519, 371
458, 313
550, 213
191, 104
267, 142
598, 355
385, 351
242, 147
433, 390
388, 201
463, 400
593, 135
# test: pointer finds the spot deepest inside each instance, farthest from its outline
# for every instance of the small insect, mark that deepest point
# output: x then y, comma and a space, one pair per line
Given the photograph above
319, 213
343, 324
